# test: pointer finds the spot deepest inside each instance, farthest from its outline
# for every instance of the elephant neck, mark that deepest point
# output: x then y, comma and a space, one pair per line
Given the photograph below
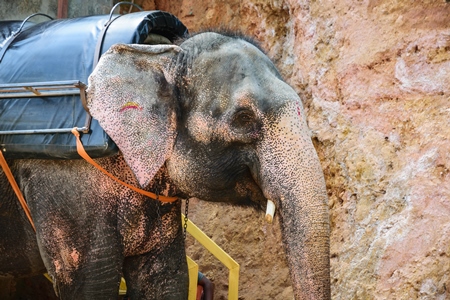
162, 184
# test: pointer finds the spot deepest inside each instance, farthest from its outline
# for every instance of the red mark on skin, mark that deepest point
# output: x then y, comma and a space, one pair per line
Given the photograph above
299, 112
130, 105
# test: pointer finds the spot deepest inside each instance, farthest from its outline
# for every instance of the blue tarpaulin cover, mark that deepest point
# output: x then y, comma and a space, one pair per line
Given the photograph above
61, 50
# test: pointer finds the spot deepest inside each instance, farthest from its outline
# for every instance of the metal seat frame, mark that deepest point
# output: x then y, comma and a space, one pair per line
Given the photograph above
46, 89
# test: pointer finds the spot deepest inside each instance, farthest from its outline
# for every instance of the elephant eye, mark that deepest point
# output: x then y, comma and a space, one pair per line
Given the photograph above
244, 118
245, 126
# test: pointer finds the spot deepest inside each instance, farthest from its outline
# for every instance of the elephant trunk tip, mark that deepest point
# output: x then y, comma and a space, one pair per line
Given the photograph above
270, 211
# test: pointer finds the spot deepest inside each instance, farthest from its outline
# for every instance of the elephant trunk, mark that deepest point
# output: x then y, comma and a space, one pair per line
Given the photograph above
306, 238
291, 176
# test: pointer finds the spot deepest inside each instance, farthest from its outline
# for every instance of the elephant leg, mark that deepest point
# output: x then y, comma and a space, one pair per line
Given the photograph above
159, 274
83, 264
95, 280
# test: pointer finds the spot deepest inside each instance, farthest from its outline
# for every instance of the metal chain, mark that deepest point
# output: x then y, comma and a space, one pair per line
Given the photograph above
158, 212
181, 257
186, 219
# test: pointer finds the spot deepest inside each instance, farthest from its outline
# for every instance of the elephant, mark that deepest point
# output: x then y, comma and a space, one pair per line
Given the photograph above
208, 117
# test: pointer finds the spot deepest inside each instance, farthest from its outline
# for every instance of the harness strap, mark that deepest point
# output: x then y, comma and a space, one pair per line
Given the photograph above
83, 154
16, 188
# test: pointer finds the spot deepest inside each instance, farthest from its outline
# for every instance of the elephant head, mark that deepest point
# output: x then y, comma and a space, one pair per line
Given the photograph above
216, 117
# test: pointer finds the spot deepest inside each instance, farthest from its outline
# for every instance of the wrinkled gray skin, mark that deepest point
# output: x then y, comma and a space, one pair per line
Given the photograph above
210, 119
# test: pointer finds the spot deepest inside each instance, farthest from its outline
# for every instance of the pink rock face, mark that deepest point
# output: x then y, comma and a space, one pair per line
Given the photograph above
375, 80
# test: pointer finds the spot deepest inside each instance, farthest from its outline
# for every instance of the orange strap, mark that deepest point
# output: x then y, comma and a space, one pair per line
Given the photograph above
83, 154
16, 189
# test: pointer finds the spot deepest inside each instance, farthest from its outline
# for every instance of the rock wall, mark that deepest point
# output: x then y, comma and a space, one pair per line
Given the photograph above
375, 78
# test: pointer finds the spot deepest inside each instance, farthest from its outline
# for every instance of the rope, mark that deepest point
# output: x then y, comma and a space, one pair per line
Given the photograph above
16, 189
83, 154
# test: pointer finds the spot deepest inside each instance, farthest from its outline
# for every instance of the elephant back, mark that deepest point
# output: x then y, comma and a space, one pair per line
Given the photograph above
54, 53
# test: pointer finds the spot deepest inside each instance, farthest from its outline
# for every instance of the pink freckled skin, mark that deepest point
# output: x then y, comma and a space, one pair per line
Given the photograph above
57, 265
75, 255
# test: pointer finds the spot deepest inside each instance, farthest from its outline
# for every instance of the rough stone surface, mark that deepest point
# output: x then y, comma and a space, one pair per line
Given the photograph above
375, 78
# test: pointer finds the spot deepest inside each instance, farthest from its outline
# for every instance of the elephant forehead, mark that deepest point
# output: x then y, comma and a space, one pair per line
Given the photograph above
229, 73
235, 73
217, 94
233, 62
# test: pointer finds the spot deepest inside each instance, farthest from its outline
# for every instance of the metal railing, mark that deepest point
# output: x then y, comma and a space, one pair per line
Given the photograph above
220, 254
46, 89
214, 249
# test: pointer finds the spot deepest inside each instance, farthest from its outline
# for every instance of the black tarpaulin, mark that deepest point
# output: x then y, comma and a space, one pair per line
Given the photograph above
61, 50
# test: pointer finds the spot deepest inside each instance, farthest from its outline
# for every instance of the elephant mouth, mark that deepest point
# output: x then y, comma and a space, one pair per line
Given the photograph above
242, 190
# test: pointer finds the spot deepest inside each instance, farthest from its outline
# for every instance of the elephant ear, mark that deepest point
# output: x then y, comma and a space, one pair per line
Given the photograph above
131, 95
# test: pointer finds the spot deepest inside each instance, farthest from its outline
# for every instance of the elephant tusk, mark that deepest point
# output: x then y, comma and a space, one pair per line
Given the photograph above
270, 211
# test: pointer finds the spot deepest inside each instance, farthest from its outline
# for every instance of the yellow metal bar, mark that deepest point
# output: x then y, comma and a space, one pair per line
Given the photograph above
193, 277
222, 256
48, 277
233, 283
122, 287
